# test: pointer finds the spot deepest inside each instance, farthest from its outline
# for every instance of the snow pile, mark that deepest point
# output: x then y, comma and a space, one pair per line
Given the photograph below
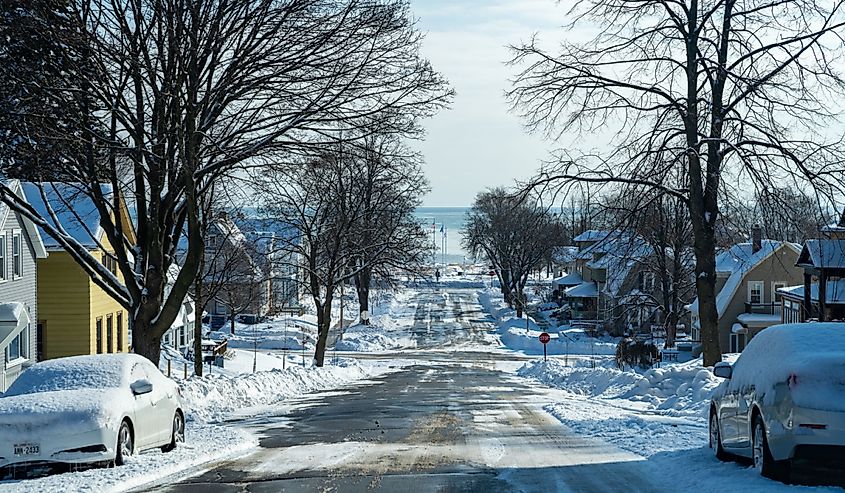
368, 339
674, 390
809, 357
215, 397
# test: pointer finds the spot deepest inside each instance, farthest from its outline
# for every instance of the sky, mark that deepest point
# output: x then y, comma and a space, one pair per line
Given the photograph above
478, 143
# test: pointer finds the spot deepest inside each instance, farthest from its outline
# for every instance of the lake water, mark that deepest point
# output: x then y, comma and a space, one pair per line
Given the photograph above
451, 219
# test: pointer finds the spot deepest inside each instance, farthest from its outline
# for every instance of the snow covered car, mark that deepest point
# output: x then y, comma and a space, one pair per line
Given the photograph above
783, 400
89, 409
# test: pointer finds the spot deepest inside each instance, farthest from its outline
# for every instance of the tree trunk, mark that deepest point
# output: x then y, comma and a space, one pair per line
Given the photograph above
705, 281
198, 308
362, 287
145, 342
324, 321
232, 321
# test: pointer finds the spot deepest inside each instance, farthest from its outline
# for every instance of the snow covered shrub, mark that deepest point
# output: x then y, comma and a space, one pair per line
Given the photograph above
631, 352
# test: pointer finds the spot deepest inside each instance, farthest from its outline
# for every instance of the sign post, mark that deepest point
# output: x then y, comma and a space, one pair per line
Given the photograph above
545, 338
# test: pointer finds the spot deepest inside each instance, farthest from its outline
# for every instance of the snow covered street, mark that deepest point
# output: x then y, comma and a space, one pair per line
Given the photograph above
434, 401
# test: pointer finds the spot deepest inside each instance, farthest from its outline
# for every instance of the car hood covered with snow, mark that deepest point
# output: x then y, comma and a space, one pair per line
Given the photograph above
61, 411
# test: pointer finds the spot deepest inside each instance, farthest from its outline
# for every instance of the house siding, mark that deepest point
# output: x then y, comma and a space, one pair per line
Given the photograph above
63, 294
21, 290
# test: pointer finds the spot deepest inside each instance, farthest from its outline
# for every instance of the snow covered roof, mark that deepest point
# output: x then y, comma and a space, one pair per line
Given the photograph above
13, 319
759, 318
75, 211
583, 290
829, 254
565, 254
835, 294
568, 280
592, 235
32, 231
736, 262
278, 228
619, 255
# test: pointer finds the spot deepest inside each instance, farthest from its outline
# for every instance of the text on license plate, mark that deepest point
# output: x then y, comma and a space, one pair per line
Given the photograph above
26, 449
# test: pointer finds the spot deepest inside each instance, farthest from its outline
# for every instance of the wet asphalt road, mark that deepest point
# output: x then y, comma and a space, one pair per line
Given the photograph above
450, 422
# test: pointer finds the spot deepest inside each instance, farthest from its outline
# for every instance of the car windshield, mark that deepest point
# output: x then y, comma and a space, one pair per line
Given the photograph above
83, 372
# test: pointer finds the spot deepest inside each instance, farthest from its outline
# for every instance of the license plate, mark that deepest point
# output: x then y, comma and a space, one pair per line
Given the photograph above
27, 449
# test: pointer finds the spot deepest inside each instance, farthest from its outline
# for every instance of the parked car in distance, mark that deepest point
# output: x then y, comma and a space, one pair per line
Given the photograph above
783, 400
89, 409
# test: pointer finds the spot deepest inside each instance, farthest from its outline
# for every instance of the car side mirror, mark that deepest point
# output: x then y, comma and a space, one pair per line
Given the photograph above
141, 387
723, 370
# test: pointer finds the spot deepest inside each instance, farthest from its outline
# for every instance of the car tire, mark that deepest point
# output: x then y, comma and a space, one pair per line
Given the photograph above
177, 435
716, 437
125, 443
761, 456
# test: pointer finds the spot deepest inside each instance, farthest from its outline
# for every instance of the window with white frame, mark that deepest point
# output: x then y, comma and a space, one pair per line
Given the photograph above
17, 255
755, 291
15, 348
3, 275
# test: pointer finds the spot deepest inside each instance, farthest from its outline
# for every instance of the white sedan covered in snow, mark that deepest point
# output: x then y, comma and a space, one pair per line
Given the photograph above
89, 409
783, 400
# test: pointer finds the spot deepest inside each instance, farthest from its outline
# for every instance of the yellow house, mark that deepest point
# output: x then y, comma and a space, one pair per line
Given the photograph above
75, 316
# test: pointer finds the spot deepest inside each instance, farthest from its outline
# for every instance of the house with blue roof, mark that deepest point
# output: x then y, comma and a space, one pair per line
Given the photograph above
75, 316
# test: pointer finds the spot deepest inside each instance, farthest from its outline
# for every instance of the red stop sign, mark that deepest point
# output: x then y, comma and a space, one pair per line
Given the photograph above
545, 338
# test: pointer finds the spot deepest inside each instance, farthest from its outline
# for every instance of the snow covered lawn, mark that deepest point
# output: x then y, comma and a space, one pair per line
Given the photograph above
660, 414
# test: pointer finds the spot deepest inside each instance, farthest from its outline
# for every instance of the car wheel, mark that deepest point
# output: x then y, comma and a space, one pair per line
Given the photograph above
125, 444
762, 458
178, 433
716, 437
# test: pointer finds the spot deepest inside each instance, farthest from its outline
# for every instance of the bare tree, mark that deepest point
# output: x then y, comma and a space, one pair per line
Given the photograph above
172, 95
662, 223
319, 199
727, 93
513, 234
389, 238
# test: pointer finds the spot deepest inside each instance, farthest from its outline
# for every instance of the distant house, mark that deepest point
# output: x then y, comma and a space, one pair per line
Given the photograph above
275, 244
180, 336
75, 316
748, 279
234, 266
21, 247
821, 296
608, 285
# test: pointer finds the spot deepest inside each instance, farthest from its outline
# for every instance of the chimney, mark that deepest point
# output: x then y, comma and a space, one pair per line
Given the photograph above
756, 239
